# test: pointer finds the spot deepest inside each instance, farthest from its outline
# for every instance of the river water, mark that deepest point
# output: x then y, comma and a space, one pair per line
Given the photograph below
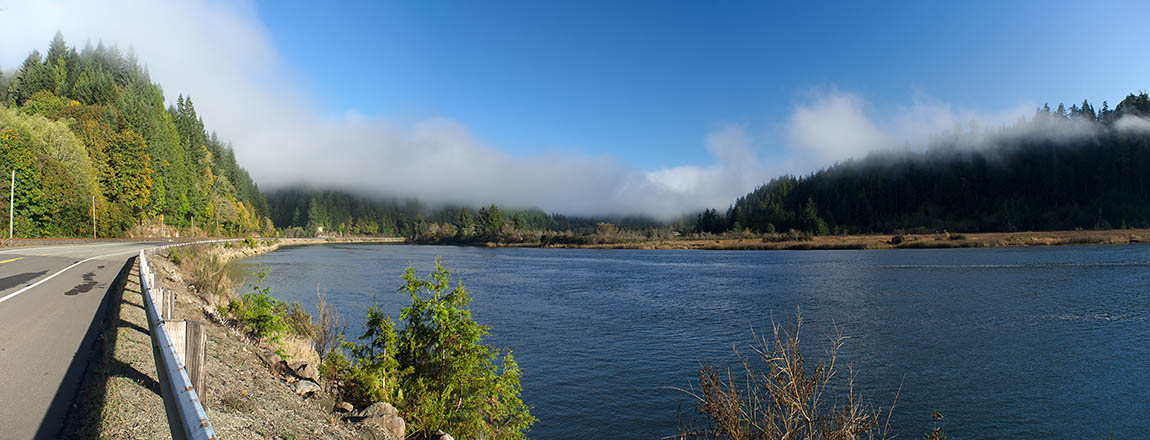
1008, 343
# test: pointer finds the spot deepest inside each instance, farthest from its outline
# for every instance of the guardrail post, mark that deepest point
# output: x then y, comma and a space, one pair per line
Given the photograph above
190, 342
197, 352
177, 335
169, 303
157, 299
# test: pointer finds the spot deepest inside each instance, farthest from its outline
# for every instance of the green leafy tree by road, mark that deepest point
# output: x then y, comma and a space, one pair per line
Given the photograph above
436, 369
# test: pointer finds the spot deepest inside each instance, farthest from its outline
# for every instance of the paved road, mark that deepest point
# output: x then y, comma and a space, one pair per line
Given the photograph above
51, 306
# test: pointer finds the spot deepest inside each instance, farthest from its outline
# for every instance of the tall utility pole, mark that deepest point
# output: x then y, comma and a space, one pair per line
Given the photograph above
11, 205
93, 216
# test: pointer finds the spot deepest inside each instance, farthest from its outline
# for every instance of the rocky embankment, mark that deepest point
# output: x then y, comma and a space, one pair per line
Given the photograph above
252, 392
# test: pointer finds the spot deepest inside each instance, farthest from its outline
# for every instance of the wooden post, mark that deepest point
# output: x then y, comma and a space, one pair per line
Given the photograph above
177, 336
190, 343
158, 300
196, 351
169, 303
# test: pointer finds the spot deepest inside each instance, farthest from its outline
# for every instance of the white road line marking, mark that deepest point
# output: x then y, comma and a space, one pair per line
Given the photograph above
42, 280
20, 249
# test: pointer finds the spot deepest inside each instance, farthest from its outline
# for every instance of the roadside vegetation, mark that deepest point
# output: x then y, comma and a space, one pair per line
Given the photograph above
435, 369
778, 395
87, 130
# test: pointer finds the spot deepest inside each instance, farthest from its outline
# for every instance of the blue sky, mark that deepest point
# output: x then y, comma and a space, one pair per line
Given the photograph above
657, 108
646, 81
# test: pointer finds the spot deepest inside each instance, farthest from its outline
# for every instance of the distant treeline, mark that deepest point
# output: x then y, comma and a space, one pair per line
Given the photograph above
1063, 169
89, 126
308, 212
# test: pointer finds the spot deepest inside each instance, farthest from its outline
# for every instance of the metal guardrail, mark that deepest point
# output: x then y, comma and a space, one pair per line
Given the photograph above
186, 416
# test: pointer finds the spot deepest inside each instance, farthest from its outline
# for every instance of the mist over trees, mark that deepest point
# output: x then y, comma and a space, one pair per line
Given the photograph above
77, 125
84, 126
308, 212
1067, 168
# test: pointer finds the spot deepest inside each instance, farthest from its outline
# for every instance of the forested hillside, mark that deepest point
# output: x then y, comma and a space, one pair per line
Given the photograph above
1063, 169
78, 126
305, 211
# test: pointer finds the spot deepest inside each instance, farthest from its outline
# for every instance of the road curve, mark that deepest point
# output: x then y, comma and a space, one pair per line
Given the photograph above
52, 306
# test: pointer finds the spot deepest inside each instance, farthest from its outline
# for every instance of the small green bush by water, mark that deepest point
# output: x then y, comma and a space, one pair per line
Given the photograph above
258, 313
436, 370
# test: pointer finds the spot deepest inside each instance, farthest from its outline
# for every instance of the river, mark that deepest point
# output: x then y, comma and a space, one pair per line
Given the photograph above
1050, 342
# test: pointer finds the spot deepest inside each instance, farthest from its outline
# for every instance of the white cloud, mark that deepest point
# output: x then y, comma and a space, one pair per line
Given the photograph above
220, 53
835, 125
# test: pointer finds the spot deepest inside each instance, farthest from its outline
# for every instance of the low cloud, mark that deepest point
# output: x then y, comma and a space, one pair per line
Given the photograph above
833, 125
1133, 124
220, 53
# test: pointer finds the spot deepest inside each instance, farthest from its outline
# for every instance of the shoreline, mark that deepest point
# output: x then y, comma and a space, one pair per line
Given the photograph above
746, 242
858, 242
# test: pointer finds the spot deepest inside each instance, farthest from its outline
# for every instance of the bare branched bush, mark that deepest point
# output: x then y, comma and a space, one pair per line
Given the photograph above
783, 398
209, 274
330, 325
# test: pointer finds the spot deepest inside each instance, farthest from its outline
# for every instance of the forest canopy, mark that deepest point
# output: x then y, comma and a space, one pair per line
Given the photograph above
1066, 168
88, 129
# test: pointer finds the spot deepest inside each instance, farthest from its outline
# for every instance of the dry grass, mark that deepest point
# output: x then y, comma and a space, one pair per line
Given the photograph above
298, 349
329, 325
207, 273
783, 399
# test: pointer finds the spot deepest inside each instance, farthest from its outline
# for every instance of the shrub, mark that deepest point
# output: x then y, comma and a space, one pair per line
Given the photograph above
329, 329
258, 313
174, 257
209, 275
436, 369
331, 367
370, 377
298, 321
937, 431
251, 242
784, 399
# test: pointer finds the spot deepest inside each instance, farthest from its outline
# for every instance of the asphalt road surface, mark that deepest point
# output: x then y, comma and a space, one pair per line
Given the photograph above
52, 302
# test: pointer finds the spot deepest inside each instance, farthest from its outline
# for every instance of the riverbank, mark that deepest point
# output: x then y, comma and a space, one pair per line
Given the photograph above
872, 241
247, 396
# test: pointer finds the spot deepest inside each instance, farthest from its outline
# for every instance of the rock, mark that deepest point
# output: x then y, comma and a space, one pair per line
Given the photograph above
306, 388
440, 435
304, 370
344, 407
384, 415
378, 409
394, 426
271, 359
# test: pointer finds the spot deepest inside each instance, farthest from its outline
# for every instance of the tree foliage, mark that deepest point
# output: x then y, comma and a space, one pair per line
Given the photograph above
95, 126
1075, 168
436, 367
